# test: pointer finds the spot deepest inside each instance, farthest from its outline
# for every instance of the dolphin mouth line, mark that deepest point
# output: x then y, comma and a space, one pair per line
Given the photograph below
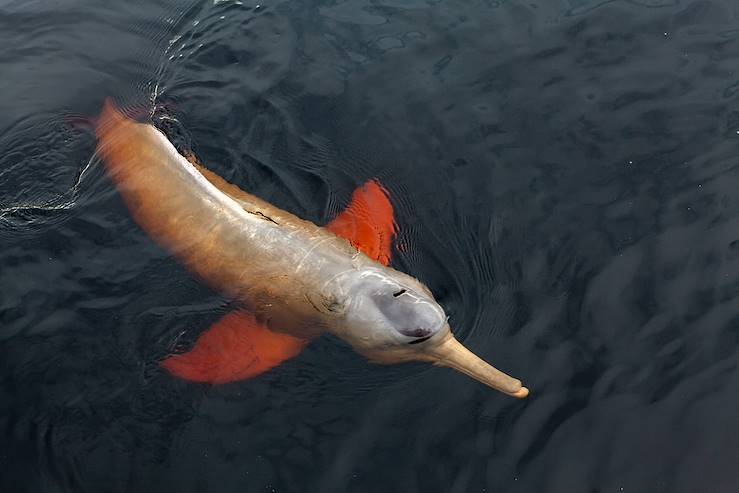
422, 339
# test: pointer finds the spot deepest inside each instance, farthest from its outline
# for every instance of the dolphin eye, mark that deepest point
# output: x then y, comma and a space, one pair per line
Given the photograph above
415, 332
398, 293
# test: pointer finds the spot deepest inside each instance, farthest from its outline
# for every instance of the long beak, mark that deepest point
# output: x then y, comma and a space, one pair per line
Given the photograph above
451, 353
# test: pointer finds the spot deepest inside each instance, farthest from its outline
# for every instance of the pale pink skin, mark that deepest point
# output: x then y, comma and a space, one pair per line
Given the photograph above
295, 276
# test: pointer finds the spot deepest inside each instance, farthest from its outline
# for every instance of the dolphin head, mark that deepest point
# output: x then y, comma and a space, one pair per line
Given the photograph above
391, 317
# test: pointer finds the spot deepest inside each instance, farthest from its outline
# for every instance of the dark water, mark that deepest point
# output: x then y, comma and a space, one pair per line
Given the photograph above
566, 176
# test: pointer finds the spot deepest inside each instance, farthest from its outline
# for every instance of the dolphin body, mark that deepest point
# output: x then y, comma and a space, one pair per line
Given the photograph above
294, 279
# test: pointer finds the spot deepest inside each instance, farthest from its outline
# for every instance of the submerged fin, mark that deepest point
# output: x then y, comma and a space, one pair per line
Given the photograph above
238, 347
235, 348
368, 222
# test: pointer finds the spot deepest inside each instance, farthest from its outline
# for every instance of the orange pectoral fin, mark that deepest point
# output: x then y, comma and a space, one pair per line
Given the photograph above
235, 348
368, 222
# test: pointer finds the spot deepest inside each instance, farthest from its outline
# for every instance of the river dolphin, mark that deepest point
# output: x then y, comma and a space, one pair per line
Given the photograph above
293, 279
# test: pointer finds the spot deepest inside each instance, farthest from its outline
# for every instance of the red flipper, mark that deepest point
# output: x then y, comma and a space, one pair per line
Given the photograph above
368, 223
238, 347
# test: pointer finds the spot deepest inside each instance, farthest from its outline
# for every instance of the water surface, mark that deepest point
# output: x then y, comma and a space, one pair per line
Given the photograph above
566, 177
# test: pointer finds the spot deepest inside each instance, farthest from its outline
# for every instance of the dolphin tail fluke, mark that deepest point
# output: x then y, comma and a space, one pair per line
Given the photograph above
368, 222
237, 347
